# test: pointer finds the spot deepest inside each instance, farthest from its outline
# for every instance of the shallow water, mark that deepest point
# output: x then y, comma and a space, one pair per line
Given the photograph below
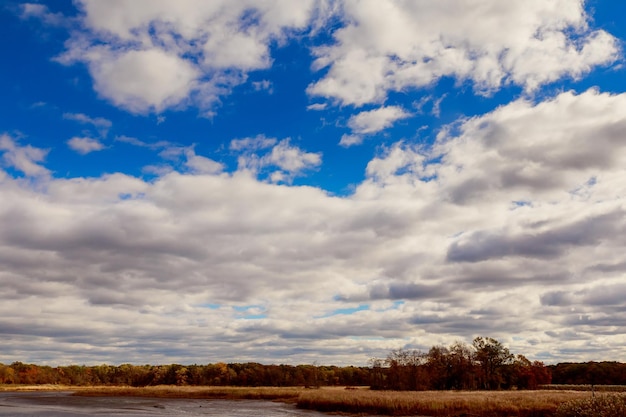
57, 404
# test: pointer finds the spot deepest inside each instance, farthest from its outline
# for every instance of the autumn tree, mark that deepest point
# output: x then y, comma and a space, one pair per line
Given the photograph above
406, 370
492, 358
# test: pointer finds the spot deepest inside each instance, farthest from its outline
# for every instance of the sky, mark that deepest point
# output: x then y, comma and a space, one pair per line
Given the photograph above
315, 181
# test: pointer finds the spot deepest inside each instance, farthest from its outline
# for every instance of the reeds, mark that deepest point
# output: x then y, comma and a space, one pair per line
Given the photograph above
542, 403
612, 405
585, 387
287, 394
439, 403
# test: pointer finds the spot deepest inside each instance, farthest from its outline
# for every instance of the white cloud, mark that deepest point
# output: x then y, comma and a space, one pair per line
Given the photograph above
480, 235
317, 106
396, 45
40, 11
137, 142
202, 165
142, 81
291, 158
102, 124
252, 144
350, 140
264, 85
85, 145
398, 157
373, 121
146, 56
256, 156
25, 159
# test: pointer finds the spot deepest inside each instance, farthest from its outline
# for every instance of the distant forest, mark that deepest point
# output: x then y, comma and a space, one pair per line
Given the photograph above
485, 364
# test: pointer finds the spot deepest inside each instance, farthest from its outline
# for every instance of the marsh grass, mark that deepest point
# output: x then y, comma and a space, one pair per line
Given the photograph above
585, 387
611, 405
38, 387
439, 403
287, 394
361, 401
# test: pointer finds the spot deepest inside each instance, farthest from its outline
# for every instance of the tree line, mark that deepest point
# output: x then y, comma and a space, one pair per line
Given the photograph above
592, 373
485, 364
219, 374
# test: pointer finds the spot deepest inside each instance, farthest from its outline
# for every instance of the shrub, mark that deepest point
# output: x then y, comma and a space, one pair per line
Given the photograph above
600, 406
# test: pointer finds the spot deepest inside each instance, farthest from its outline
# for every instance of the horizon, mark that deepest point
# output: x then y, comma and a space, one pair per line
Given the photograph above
311, 182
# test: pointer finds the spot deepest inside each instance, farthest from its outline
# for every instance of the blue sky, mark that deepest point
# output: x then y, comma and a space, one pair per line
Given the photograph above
189, 181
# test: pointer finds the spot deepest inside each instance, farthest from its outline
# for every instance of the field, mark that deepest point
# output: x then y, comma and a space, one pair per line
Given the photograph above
439, 403
361, 401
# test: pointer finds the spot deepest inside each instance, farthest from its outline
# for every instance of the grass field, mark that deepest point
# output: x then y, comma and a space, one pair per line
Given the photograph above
440, 403
542, 403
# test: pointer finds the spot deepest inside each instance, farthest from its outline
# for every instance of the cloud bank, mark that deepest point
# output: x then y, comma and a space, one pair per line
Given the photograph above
512, 223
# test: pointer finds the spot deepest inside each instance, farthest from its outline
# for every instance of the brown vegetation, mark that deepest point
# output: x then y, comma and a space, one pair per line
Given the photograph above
439, 403
361, 400
286, 394
612, 405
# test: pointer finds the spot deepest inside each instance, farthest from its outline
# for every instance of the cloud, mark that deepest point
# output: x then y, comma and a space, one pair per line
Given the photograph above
252, 144
394, 46
397, 158
143, 81
371, 122
147, 56
85, 145
316, 106
137, 142
102, 124
25, 159
350, 140
256, 157
291, 158
264, 85
202, 165
511, 224
40, 11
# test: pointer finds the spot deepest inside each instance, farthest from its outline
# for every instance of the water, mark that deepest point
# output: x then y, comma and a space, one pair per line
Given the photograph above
58, 404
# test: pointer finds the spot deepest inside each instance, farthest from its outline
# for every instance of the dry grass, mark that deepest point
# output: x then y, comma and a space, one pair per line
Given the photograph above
287, 394
606, 405
439, 403
586, 387
40, 387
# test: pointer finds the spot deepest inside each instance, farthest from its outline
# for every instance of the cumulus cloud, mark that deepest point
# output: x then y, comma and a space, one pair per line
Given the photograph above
290, 160
396, 45
145, 80
147, 56
502, 227
374, 121
371, 122
201, 164
350, 140
85, 145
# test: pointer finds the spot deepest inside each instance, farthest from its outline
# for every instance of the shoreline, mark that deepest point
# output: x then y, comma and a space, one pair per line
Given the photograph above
362, 400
